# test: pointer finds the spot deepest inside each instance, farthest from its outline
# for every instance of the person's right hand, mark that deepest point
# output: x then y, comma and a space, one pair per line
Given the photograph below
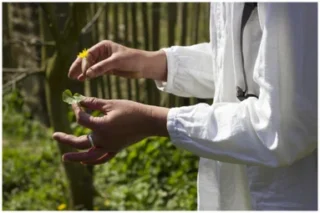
108, 57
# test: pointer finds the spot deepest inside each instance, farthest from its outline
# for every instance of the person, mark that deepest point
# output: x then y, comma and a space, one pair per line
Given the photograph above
258, 141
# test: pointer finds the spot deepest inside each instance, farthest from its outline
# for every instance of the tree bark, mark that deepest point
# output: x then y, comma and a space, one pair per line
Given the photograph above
80, 180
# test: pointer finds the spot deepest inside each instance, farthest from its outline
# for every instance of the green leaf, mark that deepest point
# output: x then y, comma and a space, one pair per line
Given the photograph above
71, 99
77, 97
67, 96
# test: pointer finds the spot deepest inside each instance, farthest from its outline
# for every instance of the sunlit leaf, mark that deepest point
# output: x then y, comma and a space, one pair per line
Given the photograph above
71, 99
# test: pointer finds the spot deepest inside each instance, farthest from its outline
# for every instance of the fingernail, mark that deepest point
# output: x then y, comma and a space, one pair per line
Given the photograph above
80, 77
64, 159
55, 135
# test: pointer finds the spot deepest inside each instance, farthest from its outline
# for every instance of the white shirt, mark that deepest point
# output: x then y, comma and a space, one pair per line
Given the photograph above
260, 153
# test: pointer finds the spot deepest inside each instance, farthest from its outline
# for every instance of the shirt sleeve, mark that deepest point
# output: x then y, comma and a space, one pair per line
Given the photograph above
189, 71
280, 126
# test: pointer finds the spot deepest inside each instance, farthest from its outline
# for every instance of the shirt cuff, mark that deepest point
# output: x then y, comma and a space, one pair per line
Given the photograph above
172, 67
173, 128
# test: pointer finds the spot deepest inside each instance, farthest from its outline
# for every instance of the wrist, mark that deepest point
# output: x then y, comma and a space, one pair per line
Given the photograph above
156, 122
155, 65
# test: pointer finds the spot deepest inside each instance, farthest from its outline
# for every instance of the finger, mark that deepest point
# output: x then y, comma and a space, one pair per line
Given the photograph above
96, 53
103, 159
102, 67
99, 52
85, 119
93, 103
81, 77
81, 142
91, 155
75, 69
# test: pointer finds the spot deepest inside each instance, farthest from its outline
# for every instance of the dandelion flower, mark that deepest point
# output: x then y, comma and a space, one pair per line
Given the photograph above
83, 54
62, 206
84, 62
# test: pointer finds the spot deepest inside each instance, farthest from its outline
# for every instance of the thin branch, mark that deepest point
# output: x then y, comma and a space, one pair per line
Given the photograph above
16, 80
93, 20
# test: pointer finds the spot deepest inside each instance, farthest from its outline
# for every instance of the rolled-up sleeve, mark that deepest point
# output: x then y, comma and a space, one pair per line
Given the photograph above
280, 126
189, 71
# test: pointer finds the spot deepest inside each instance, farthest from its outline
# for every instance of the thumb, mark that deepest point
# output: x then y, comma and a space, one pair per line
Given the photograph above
93, 103
85, 119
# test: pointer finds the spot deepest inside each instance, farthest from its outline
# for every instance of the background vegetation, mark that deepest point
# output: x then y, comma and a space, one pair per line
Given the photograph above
40, 41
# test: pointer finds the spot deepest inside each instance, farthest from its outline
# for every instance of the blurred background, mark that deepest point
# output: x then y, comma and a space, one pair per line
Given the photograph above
40, 41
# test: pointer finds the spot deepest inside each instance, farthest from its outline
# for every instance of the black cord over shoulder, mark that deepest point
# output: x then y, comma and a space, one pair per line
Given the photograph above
247, 10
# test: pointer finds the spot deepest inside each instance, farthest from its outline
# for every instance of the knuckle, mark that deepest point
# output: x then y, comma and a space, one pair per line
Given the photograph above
106, 42
108, 106
93, 100
95, 69
66, 138
86, 155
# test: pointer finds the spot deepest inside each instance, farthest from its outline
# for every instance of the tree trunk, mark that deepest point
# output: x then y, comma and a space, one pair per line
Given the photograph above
8, 59
80, 180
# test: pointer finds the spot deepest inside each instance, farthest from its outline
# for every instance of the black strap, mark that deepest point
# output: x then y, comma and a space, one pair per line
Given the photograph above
247, 10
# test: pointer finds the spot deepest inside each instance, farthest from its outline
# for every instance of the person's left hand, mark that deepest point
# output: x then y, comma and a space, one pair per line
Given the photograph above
123, 123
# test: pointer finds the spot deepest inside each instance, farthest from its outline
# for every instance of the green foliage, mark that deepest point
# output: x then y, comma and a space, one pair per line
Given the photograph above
71, 99
17, 120
31, 162
150, 175
32, 176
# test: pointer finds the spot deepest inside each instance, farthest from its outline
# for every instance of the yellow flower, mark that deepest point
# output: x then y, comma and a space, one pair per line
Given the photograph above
83, 54
62, 206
